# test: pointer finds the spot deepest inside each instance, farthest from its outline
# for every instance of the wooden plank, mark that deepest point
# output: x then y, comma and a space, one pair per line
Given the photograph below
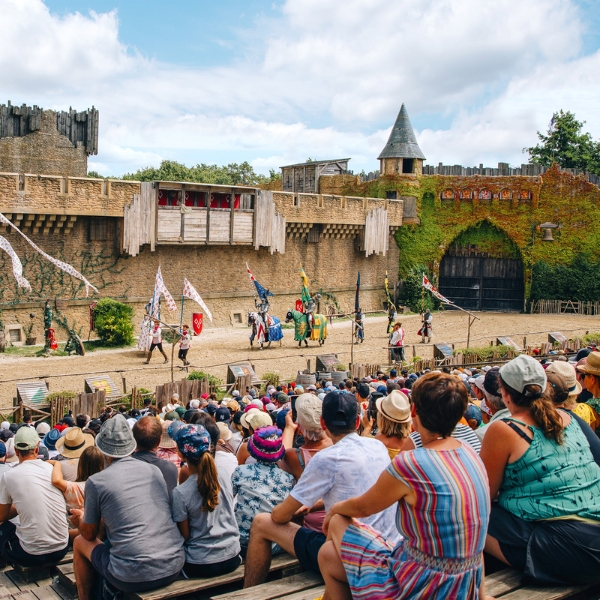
62, 593
46, 593
311, 594
190, 586
531, 592
25, 595
502, 582
274, 589
20, 582
66, 578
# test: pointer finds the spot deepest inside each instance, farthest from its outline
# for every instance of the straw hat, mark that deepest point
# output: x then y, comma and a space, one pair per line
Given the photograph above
165, 439
567, 372
592, 364
224, 432
74, 442
395, 407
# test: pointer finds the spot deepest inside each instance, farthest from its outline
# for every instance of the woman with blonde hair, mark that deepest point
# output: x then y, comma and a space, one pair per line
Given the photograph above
393, 421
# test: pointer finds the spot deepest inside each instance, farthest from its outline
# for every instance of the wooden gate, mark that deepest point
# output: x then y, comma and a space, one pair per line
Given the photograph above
483, 283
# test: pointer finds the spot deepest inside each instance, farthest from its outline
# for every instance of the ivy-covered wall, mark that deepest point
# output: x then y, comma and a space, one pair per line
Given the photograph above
499, 215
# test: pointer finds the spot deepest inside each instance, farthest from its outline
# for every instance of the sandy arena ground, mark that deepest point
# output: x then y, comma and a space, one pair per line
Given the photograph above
215, 348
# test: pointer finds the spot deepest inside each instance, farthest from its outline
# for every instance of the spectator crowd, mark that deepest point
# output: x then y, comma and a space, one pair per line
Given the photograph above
392, 486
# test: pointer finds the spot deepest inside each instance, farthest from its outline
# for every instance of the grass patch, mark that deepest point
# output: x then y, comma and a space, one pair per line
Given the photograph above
38, 350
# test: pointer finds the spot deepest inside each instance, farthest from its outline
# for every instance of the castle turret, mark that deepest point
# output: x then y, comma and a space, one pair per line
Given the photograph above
401, 153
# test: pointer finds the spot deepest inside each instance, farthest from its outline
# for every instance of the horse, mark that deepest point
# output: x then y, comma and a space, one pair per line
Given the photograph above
274, 333
319, 330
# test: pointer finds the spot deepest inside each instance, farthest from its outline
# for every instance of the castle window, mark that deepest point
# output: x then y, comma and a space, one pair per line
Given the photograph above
98, 229
466, 195
448, 195
392, 195
485, 195
525, 197
407, 165
505, 195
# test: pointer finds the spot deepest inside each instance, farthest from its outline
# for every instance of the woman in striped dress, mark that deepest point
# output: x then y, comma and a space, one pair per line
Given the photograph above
443, 500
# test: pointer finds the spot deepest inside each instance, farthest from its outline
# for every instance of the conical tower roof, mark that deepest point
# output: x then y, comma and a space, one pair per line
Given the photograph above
402, 142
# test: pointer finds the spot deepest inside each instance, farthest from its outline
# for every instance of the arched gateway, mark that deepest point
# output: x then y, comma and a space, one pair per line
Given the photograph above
483, 270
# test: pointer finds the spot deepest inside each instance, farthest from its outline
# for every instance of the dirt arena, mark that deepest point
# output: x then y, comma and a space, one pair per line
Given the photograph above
216, 347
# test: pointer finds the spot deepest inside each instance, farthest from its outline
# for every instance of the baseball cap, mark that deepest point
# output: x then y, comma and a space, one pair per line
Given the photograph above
42, 429
523, 371
2, 450
223, 415
363, 390
567, 371
473, 412
192, 441
340, 409
26, 438
311, 388
308, 409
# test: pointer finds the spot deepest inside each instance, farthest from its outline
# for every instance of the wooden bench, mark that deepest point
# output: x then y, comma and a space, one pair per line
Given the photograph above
283, 564
31, 574
305, 584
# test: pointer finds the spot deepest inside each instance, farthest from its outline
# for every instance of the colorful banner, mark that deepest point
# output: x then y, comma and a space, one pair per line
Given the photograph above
161, 288
260, 290
305, 292
387, 292
192, 294
58, 263
17, 267
429, 286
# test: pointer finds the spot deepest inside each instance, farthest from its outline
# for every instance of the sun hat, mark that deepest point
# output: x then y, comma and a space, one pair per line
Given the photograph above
258, 420
567, 371
395, 407
309, 409
26, 438
265, 445
340, 409
592, 364
224, 432
115, 439
51, 438
192, 441
167, 441
244, 418
523, 371
74, 443
223, 415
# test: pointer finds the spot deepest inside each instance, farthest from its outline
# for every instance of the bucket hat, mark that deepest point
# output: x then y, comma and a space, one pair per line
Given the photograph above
51, 438
265, 445
115, 438
74, 442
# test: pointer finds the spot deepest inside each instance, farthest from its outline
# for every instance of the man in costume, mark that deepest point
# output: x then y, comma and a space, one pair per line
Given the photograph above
426, 328
156, 342
262, 308
309, 310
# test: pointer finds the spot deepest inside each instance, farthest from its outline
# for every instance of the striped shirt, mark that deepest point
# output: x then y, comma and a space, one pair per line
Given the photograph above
461, 432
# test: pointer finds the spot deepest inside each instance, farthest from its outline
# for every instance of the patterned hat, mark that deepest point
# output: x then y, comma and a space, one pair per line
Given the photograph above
265, 445
193, 441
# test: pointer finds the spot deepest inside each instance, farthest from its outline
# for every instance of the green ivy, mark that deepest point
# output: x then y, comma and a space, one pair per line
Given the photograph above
579, 280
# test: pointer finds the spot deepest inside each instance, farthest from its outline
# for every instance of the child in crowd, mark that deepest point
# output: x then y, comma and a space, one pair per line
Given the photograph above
90, 462
262, 485
203, 508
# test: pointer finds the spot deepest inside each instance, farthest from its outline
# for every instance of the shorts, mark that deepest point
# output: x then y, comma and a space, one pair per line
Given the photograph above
100, 560
12, 551
548, 552
191, 571
153, 345
307, 544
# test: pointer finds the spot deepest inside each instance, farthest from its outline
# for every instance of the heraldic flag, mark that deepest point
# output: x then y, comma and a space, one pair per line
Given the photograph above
192, 294
429, 286
260, 290
305, 292
161, 288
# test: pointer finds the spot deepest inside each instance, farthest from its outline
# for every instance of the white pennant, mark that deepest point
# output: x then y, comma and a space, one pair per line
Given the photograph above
192, 294
58, 263
161, 288
17, 267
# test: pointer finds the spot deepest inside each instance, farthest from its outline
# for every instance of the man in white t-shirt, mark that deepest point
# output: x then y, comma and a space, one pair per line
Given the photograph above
348, 468
42, 536
156, 342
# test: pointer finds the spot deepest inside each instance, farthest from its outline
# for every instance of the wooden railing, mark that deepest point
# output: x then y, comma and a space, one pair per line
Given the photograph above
577, 307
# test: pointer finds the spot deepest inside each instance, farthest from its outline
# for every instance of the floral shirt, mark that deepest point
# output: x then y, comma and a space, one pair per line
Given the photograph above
259, 488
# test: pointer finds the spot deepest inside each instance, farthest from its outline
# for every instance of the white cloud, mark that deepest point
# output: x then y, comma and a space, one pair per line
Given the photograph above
323, 83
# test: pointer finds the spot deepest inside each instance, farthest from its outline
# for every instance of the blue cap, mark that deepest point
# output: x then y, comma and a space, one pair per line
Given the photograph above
281, 418
2, 450
192, 440
473, 412
51, 438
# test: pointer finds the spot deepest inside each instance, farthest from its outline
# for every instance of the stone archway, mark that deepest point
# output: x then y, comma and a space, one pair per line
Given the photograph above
482, 270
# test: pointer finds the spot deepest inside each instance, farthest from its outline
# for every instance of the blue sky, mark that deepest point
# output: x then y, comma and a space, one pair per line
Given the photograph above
276, 82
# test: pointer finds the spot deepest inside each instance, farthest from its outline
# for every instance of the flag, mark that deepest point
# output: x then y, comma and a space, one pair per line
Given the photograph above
356, 301
387, 292
192, 294
551, 125
305, 292
429, 286
161, 288
260, 290
58, 263
17, 267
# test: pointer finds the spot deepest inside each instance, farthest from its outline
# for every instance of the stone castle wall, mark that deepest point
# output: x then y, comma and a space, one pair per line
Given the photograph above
44, 151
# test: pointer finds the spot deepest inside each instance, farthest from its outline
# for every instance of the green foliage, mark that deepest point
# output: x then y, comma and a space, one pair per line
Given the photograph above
591, 338
212, 380
340, 367
486, 353
411, 293
567, 146
579, 280
95, 175
63, 394
488, 239
231, 174
271, 378
113, 322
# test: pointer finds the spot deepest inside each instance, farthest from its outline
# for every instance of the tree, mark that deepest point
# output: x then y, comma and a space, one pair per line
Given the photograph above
231, 174
566, 145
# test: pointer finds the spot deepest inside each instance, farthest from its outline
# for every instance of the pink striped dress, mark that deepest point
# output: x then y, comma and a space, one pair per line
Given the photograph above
444, 532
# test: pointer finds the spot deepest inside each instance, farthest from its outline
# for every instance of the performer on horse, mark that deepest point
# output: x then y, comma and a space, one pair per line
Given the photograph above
265, 329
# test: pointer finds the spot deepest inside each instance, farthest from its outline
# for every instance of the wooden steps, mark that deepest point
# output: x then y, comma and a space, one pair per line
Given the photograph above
276, 589
31, 574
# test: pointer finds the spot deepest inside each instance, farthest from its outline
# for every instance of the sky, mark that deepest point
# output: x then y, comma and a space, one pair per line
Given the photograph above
277, 82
